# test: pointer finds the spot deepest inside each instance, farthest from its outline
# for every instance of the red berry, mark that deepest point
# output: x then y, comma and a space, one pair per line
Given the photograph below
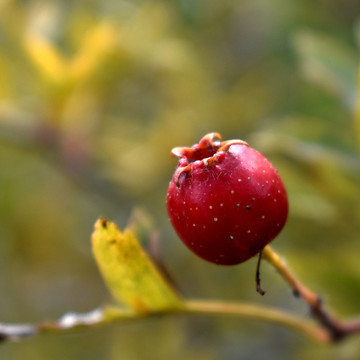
226, 201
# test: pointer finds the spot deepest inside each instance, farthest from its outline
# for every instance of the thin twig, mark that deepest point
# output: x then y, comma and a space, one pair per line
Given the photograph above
67, 322
103, 316
259, 313
336, 328
16, 331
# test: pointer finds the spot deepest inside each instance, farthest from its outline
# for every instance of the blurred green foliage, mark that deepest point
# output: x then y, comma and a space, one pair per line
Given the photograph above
94, 94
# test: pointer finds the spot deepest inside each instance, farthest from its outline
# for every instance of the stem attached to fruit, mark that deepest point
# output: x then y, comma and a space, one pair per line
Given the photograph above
257, 276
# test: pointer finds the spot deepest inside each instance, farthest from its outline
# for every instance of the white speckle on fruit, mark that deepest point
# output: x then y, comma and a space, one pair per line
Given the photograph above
263, 217
249, 178
275, 200
253, 199
232, 192
269, 195
273, 180
194, 225
196, 208
210, 207
267, 181
264, 171
205, 161
190, 209
238, 205
249, 231
239, 180
184, 202
221, 204
216, 219
231, 237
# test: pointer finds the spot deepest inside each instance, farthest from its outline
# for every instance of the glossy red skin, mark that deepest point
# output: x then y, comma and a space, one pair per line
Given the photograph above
227, 210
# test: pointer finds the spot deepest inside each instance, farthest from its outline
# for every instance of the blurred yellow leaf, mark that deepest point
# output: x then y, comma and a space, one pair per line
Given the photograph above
96, 45
129, 273
46, 57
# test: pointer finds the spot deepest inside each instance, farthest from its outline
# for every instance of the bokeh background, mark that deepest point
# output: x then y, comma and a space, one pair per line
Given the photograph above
93, 96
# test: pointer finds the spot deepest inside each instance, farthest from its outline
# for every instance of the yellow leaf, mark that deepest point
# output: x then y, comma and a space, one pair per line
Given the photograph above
95, 46
47, 58
128, 272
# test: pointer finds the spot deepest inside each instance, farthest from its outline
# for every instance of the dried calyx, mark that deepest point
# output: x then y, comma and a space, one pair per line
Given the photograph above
207, 147
208, 150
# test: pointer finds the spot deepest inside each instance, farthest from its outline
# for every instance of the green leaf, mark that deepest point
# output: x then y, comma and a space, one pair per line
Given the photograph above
131, 276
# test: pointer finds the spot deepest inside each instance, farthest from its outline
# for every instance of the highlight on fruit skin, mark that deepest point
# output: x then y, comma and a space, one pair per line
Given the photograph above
226, 201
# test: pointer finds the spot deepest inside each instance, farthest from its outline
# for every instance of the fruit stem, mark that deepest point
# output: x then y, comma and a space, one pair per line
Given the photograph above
257, 276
